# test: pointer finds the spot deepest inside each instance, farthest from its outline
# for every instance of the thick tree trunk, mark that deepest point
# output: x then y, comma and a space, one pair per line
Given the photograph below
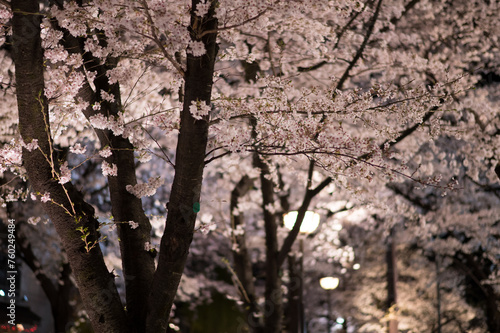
137, 263
185, 195
67, 210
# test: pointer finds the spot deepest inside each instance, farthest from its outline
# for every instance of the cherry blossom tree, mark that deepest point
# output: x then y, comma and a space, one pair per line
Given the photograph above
343, 93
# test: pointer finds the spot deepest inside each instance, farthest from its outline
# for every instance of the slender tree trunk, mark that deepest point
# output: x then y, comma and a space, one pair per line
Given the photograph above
67, 209
241, 257
273, 307
294, 296
438, 294
185, 195
391, 283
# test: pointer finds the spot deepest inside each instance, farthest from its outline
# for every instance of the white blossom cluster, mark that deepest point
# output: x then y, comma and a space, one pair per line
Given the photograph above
199, 109
109, 169
147, 189
65, 173
10, 156
99, 121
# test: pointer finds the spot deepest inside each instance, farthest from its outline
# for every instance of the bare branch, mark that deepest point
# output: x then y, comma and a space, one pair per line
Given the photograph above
361, 49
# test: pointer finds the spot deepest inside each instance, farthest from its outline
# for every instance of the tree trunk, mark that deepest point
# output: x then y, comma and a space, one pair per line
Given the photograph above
273, 307
478, 270
294, 296
241, 258
137, 263
391, 283
67, 209
185, 195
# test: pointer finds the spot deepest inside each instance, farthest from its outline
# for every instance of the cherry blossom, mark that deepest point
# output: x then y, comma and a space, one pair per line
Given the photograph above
373, 98
147, 189
109, 169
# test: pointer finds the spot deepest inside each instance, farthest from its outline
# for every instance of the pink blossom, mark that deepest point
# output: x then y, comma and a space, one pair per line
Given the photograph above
109, 169
45, 197
65, 175
196, 48
32, 145
147, 189
106, 152
202, 8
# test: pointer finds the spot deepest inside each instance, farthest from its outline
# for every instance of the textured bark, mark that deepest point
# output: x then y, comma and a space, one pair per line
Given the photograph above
185, 195
241, 258
273, 307
138, 264
70, 212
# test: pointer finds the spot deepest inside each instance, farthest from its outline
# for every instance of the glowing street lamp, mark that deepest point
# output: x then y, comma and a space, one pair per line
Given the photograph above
329, 283
309, 224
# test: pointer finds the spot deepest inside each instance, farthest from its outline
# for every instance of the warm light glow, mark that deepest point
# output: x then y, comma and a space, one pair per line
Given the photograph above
356, 266
309, 224
329, 282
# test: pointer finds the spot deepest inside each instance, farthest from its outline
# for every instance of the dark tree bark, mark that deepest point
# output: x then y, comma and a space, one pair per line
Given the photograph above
241, 257
148, 300
295, 288
273, 307
137, 263
392, 278
477, 270
292, 235
68, 211
185, 195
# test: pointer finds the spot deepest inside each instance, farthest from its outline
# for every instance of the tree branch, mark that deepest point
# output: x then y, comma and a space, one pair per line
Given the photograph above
361, 49
242, 261
292, 235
